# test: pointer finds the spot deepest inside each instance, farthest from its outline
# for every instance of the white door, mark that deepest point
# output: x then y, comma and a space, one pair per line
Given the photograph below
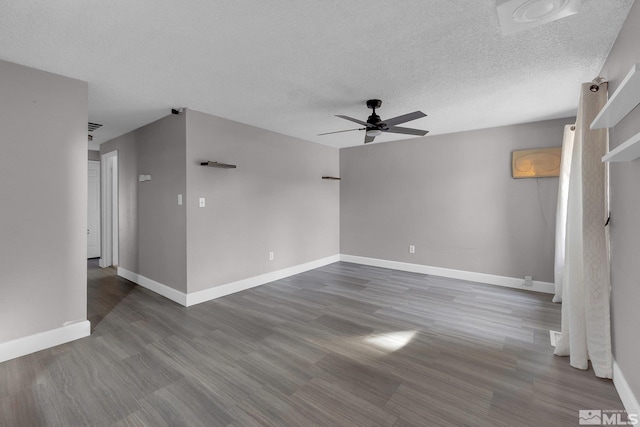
93, 212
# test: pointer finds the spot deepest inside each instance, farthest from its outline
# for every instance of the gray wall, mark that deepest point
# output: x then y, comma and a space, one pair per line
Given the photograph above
93, 155
152, 224
274, 201
452, 196
625, 213
43, 213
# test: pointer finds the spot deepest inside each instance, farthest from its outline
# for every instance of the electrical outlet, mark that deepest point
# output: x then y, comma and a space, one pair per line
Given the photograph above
202, 203
270, 256
528, 281
412, 249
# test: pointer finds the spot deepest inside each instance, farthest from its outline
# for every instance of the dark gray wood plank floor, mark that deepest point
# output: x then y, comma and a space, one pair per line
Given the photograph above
343, 345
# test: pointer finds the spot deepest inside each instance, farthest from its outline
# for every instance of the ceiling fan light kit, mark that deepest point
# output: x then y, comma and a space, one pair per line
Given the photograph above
374, 126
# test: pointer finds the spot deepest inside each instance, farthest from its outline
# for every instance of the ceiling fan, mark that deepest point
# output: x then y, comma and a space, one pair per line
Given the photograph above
374, 126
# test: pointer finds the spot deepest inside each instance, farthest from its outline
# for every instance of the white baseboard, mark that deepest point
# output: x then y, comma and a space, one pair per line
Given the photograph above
251, 282
629, 400
212, 293
189, 299
509, 282
152, 285
43, 340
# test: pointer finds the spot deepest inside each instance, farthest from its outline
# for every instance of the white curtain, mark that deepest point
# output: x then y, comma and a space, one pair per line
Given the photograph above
586, 333
561, 213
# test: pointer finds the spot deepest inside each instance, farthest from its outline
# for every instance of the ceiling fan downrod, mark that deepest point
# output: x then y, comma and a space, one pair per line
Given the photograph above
374, 119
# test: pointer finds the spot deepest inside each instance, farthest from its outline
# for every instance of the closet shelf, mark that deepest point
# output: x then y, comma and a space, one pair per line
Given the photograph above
218, 165
624, 99
627, 151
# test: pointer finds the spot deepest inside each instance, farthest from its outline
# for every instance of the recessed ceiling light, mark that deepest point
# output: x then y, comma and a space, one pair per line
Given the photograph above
535, 10
519, 15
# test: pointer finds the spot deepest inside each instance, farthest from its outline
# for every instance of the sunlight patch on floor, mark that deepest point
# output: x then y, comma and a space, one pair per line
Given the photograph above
391, 341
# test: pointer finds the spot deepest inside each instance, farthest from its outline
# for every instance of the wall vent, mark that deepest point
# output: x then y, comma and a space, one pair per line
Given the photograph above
94, 126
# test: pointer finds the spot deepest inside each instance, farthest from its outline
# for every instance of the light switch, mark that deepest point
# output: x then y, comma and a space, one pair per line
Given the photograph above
180, 199
202, 202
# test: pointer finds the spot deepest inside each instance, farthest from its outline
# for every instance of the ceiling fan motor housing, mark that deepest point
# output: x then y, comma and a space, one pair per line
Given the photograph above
373, 119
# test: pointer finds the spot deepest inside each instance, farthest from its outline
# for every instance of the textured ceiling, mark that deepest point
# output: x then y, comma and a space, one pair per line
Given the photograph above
290, 66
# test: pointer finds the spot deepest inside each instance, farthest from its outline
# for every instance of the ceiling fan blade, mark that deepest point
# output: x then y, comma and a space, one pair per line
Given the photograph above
338, 131
368, 139
360, 122
404, 118
407, 131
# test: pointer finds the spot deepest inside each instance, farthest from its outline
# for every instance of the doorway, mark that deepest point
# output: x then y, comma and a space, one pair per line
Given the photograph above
109, 175
93, 210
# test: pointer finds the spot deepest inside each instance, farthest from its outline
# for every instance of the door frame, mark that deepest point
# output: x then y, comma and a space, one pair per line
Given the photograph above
97, 162
109, 208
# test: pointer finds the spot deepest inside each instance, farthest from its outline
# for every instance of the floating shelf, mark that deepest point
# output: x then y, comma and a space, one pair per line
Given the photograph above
334, 178
624, 99
627, 151
218, 165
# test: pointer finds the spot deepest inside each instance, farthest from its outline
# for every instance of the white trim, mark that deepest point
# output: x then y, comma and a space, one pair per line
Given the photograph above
212, 293
97, 163
251, 282
629, 400
152, 285
43, 340
115, 207
189, 299
509, 282
106, 214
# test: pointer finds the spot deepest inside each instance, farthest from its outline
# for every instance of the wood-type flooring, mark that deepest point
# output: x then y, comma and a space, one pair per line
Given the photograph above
343, 345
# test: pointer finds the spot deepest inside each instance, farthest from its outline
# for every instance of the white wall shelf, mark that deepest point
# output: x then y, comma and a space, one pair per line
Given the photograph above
627, 151
624, 99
